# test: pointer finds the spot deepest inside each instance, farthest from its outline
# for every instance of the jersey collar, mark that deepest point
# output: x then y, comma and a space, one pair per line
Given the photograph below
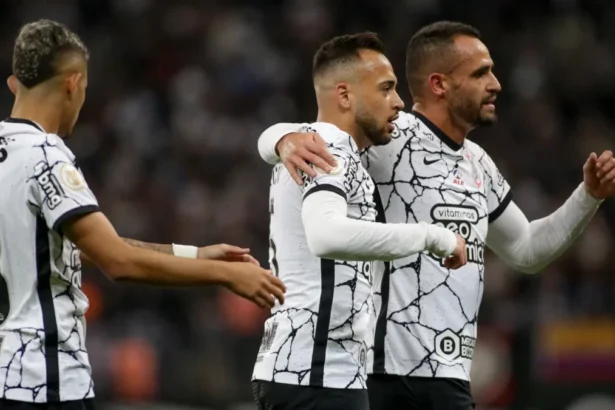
24, 121
438, 132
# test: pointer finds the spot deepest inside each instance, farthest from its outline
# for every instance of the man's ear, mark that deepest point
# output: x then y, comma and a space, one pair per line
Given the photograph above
71, 83
11, 82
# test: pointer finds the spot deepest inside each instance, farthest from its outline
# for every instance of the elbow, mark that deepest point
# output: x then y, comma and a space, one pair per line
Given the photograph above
324, 245
118, 272
120, 268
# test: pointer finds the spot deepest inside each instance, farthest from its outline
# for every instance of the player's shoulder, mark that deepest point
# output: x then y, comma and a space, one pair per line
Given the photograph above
31, 146
405, 119
481, 155
334, 137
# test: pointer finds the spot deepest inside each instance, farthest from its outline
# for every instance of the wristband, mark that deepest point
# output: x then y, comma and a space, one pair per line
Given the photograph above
185, 251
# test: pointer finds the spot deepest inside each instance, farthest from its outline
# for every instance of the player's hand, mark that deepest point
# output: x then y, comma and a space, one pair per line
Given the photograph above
459, 256
599, 175
256, 284
224, 252
298, 150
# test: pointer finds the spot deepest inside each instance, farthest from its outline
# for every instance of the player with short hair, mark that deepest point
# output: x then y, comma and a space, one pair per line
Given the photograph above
323, 237
50, 216
425, 331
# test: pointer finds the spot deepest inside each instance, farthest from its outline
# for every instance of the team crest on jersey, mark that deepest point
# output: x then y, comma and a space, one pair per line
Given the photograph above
71, 177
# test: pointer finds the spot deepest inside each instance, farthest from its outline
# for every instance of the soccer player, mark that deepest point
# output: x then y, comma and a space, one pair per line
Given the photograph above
323, 237
425, 330
49, 215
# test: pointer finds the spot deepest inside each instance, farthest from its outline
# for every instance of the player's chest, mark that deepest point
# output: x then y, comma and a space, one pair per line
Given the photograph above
361, 201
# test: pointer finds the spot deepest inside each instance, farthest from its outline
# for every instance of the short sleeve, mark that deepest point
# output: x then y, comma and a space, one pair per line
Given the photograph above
499, 194
58, 188
342, 180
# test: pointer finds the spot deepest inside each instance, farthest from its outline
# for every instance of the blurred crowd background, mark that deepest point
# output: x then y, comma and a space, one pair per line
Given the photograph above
178, 93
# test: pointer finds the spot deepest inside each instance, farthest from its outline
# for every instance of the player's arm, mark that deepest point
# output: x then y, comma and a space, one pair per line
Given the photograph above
331, 234
531, 246
63, 199
285, 142
221, 251
94, 235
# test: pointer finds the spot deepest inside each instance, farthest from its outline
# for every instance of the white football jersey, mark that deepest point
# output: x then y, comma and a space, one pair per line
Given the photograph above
426, 315
42, 326
318, 337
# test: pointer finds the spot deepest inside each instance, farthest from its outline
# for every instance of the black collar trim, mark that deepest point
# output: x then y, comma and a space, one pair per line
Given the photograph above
438, 132
24, 121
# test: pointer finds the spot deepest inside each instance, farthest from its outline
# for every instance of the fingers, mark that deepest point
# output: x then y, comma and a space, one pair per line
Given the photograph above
275, 281
232, 249
322, 151
590, 164
604, 157
605, 167
299, 152
609, 177
298, 162
250, 259
453, 262
264, 300
317, 161
276, 293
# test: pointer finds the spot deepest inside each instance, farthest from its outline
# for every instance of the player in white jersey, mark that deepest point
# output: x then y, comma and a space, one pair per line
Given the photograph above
323, 237
425, 327
50, 218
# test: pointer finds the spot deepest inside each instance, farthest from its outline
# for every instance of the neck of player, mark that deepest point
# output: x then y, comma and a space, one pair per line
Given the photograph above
444, 121
348, 124
42, 109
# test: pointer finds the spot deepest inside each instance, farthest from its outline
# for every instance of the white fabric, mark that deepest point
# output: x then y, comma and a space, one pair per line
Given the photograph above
332, 235
531, 246
270, 138
43, 355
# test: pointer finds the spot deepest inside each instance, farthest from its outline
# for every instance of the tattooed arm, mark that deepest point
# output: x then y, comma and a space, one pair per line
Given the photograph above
152, 246
85, 260
221, 252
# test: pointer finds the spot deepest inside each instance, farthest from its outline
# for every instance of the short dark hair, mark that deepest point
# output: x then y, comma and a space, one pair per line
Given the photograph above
431, 43
342, 49
38, 48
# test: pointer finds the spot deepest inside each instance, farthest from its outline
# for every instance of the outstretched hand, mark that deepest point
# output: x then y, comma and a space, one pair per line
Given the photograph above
229, 253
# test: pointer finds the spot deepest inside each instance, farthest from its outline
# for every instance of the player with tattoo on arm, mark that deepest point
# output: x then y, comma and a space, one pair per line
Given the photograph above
50, 219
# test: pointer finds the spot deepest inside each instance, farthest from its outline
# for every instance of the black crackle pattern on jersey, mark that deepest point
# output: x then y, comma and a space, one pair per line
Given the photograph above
69, 303
430, 315
290, 351
45, 168
346, 342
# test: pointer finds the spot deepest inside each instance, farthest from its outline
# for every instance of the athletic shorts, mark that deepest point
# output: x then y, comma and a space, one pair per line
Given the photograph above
391, 392
278, 396
65, 405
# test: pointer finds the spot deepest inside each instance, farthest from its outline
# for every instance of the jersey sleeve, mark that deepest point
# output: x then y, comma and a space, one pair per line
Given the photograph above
342, 180
499, 194
58, 188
